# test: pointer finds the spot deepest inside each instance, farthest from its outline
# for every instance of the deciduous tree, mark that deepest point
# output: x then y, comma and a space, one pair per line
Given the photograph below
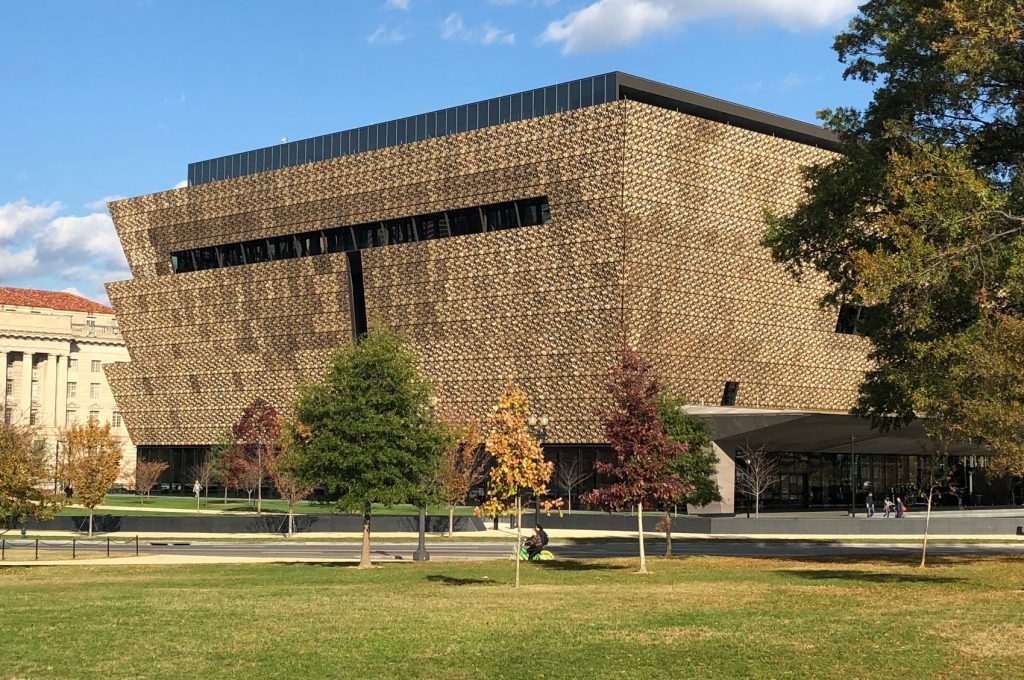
920, 219
147, 474
644, 463
243, 472
204, 472
758, 472
92, 462
570, 476
372, 437
519, 463
463, 465
696, 465
257, 431
289, 485
24, 473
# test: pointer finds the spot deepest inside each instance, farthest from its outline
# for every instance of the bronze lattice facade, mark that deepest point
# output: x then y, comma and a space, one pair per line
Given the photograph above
653, 239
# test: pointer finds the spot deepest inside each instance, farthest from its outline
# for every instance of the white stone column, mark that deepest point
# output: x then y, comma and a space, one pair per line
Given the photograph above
62, 391
3, 379
726, 478
48, 393
25, 394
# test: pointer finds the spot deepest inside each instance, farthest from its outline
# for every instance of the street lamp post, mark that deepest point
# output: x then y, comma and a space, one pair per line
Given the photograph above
853, 480
421, 554
538, 427
746, 486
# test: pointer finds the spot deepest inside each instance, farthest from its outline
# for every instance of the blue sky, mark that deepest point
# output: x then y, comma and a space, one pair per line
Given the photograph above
115, 97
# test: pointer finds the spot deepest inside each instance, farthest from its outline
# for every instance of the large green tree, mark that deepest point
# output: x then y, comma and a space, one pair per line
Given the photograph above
919, 219
696, 463
369, 434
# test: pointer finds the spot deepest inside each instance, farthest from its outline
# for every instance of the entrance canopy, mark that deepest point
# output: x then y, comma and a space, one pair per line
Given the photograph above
812, 432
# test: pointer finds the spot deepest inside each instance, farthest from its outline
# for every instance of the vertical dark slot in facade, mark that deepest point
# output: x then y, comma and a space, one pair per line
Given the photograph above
729, 393
356, 294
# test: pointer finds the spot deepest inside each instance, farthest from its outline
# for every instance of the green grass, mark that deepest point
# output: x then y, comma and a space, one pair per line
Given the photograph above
694, 618
178, 505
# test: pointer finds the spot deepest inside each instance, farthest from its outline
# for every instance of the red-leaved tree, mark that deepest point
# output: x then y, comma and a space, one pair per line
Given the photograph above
644, 453
257, 432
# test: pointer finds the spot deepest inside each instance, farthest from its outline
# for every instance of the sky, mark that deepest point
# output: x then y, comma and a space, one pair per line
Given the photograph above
102, 99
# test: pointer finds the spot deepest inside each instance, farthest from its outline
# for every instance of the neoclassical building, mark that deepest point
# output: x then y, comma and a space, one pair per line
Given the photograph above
526, 237
53, 350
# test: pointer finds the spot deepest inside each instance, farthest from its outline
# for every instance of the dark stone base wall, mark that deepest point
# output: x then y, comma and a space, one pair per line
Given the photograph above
265, 524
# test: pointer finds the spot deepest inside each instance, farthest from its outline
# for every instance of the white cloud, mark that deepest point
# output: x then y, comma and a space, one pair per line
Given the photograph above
20, 216
82, 251
397, 4
454, 28
385, 36
73, 236
102, 203
493, 35
181, 184
17, 263
607, 24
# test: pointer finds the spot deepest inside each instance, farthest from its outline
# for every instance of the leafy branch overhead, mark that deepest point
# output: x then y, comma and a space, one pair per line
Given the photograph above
920, 219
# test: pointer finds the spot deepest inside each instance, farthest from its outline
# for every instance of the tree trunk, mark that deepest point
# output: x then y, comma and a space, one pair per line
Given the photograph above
757, 504
451, 520
569, 495
259, 484
90, 522
364, 557
640, 524
206, 495
225, 493
668, 534
927, 519
291, 518
519, 535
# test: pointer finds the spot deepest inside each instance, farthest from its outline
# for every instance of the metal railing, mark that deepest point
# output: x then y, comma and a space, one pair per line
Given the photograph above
130, 546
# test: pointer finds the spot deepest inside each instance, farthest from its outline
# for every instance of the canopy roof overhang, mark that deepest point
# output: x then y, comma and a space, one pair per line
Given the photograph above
813, 432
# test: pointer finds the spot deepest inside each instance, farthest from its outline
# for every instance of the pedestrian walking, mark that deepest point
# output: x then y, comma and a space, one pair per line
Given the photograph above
900, 508
870, 504
887, 507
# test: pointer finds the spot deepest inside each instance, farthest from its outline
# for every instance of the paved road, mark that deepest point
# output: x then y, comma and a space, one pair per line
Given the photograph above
484, 551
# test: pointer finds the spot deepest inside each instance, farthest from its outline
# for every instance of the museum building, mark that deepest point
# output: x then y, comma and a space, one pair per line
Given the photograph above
525, 237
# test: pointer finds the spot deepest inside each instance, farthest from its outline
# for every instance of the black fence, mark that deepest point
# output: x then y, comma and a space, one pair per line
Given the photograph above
106, 546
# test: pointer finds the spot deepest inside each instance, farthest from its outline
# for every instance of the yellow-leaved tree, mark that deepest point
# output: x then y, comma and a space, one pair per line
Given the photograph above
24, 476
518, 462
92, 463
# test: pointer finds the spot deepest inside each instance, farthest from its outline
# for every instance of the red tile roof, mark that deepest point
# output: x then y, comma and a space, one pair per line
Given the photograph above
67, 302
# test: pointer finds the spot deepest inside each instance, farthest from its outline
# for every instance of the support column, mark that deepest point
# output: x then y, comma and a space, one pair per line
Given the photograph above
3, 379
25, 394
48, 393
62, 391
726, 478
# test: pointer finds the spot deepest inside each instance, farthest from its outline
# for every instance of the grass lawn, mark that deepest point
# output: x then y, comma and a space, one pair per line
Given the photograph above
695, 617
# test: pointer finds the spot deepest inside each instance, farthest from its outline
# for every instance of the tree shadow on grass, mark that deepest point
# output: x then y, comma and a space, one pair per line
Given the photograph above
577, 565
459, 581
868, 576
908, 558
351, 564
